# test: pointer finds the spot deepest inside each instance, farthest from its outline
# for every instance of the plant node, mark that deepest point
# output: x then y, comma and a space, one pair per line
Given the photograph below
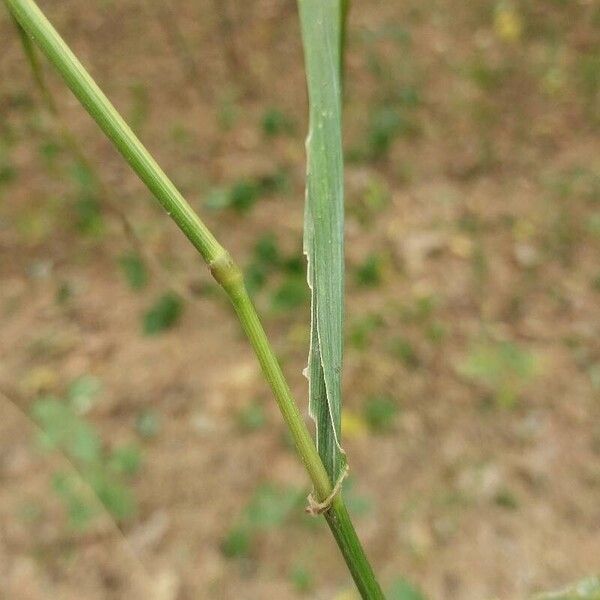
315, 508
227, 274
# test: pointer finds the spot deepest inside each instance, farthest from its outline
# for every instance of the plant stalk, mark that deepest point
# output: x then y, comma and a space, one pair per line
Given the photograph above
341, 526
222, 267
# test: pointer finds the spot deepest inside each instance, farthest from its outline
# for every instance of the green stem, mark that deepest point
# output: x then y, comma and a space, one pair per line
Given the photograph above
224, 270
344, 533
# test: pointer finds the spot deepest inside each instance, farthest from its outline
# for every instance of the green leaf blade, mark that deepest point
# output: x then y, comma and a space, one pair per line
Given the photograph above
324, 224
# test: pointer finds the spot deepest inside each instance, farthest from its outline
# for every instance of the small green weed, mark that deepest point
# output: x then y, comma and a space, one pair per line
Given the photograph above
82, 393
402, 349
243, 194
8, 172
107, 474
275, 122
361, 330
369, 272
379, 413
237, 543
502, 367
401, 589
292, 293
252, 417
387, 123
301, 579
134, 270
87, 205
148, 424
268, 508
163, 314
373, 199
268, 261
506, 499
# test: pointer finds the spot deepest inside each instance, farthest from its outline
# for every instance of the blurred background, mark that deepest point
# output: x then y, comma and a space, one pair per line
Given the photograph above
141, 454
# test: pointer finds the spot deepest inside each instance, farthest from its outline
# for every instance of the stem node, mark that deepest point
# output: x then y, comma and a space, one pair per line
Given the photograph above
226, 273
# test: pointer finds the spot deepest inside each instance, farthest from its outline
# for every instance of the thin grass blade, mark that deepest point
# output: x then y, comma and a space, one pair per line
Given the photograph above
324, 223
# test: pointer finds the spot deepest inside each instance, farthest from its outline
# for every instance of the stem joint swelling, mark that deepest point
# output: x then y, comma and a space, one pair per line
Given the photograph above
227, 274
315, 508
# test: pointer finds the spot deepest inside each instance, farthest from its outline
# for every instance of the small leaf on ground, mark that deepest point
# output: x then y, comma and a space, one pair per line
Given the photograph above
252, 417
275, 122
134, 270
503, 367
82, 391
379, 412
125, 460
62, 429
291, 294
163, 314
147, 424
237, 543
403, 590
301, 579
270, 506
368, 273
